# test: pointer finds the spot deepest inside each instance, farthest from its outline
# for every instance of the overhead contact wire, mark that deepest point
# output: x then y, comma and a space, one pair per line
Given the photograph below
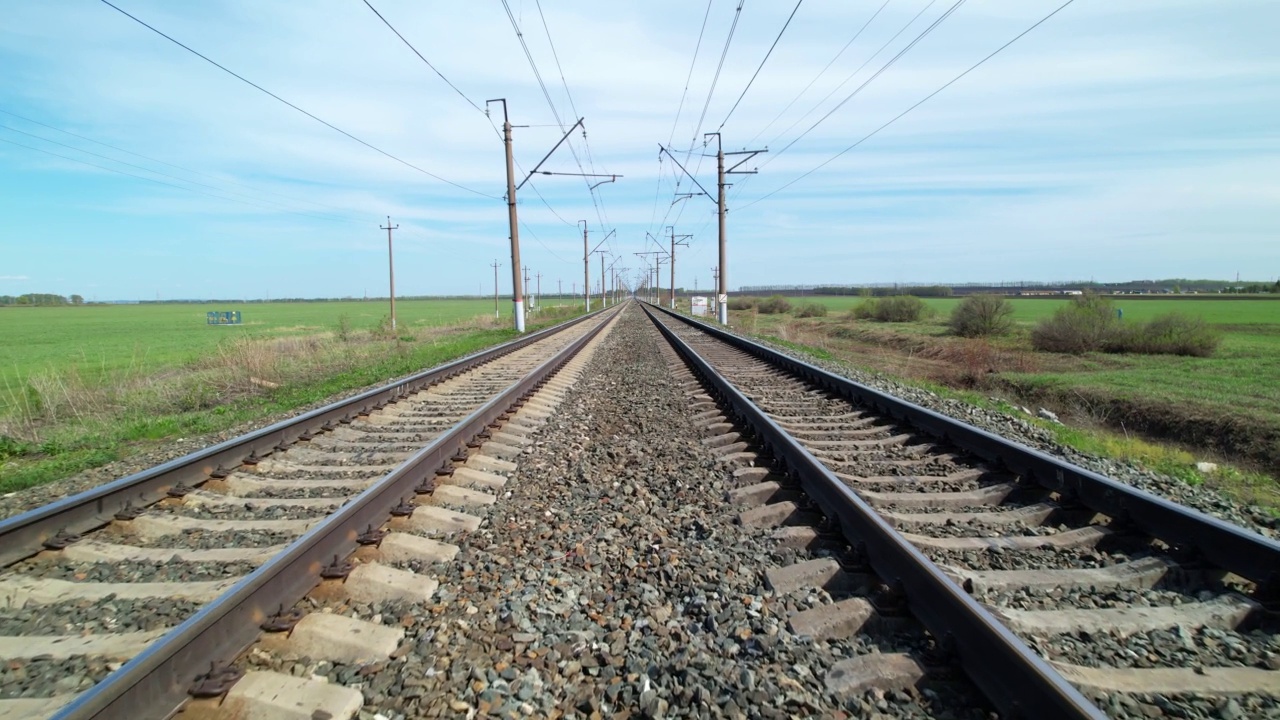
327, 124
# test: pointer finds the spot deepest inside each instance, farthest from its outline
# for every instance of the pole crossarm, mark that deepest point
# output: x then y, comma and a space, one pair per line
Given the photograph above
606, 237
686, 172
733, 170
548, 155
548, 172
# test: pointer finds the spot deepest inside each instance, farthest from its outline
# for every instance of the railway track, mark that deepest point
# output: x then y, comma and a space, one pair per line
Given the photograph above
125, 600
542, 531
1061, 593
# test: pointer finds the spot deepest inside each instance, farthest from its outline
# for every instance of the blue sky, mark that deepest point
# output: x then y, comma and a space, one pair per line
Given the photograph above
1118, 140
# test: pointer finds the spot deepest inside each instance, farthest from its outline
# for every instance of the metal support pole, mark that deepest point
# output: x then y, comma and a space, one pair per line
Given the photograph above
391, 267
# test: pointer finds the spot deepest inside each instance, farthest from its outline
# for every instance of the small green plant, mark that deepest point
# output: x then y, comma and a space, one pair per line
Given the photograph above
982, 316
344, 328
812, 309
12, 447
742, 303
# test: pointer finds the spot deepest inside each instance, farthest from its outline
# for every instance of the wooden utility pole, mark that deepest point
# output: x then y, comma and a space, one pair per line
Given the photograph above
722, 283
495, 266
675, 240
722, 287
601, 253
586, 267
391, 267
517, 290
526, 276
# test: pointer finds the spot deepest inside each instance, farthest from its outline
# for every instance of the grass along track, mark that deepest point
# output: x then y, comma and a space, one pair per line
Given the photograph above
79, 421
1222, 407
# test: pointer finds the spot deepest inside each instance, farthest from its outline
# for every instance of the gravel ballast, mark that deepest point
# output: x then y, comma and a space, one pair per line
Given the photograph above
614, 579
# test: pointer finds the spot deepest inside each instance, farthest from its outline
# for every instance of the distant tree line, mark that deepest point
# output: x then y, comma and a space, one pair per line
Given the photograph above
1171, 285
41, 299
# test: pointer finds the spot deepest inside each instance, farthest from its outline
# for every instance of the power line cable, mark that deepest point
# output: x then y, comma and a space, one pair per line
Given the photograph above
171, 177
710, 92
762, 62
159, 182
327, 124
871, 79
821, 72
715, 78
692, 64
423, 59
601, 212
900, 115
679, 110
515, 25
168, 164
853, 74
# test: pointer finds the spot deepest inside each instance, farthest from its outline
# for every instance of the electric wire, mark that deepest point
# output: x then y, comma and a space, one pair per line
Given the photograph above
173, 177
515, 25
423, 59
472, 103
601, 211
162, 182
854, 74
169, 164
326, 123
821, 72
941, 18
902, 114
762, 62
715, 78
679, 110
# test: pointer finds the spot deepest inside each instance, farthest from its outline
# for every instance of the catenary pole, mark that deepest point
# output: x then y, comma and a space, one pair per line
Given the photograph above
391, 268
517, 289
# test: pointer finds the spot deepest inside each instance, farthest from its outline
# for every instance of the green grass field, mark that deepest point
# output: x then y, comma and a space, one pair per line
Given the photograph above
97, 340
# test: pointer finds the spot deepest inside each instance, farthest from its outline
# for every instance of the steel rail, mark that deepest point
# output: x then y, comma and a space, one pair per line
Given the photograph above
154, 684
1226, 546
1013, 676
24, 535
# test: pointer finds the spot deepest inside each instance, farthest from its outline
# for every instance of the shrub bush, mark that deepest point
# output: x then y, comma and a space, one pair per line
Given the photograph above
1171, 334
981, 316
899, 308
773, 305
864, 310
742, 303
812, 309
1083, 325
